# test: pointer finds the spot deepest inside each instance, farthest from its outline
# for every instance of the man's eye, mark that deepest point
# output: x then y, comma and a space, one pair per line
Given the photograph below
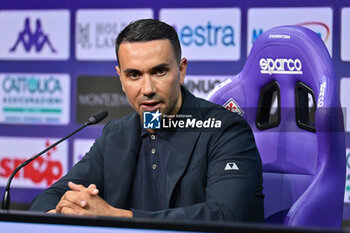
133, 75
161, 72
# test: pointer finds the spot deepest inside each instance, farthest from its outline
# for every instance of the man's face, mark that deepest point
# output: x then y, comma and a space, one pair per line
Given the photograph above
150, 76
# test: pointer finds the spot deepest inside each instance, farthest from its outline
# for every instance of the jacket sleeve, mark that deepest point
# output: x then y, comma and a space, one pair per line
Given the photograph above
234, 180
87, 171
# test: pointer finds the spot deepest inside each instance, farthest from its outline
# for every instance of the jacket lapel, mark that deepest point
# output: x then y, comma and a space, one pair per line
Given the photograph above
183, 145
125, 150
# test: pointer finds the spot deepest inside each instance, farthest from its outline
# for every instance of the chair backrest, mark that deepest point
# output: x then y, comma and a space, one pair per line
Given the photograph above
289, 94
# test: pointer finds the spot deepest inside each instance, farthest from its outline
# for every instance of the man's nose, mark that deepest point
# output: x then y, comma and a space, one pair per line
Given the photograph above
148, 86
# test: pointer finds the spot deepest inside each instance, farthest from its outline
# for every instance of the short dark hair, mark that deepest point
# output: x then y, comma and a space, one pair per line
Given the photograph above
148, 30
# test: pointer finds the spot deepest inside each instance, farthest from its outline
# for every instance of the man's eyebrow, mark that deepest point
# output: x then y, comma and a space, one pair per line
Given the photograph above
155, 68
160, 66
130, 70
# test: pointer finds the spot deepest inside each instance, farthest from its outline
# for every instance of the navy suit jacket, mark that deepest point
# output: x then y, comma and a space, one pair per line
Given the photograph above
198, 187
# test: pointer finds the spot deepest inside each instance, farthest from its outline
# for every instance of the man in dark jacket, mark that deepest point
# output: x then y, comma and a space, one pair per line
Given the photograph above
202, 164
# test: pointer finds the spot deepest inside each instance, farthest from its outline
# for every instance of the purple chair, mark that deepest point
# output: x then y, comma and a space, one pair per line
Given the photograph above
301, 140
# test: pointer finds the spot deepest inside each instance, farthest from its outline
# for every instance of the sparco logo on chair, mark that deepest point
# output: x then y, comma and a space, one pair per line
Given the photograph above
280, 66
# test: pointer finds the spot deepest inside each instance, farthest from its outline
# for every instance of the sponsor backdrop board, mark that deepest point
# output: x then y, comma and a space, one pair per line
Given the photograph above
345, 34
42, 172
207, 37
347, 185
80, 147
34, 98
96, 30
318, 19
345, 100
35, 35
58, 66
100, 92
202, 85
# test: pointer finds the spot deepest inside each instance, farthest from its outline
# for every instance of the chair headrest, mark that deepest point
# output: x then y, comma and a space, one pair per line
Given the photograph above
290, 54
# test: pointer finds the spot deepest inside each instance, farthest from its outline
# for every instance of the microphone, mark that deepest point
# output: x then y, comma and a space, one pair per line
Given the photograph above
94, 119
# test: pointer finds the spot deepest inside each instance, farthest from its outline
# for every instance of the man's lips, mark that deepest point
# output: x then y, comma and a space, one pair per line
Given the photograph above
150, 106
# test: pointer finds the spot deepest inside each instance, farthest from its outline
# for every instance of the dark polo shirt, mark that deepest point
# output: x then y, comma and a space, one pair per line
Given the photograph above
149, 182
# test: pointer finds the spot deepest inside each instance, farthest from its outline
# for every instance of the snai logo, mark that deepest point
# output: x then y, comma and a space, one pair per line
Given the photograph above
40, 170
40, 173
280, 66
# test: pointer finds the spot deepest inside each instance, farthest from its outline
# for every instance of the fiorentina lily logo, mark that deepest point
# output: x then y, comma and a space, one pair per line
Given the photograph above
232, 106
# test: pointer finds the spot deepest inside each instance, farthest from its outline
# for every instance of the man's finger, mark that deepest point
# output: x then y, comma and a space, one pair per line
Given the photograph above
67, 210
70, 208
92, 190
77, 198
75, 187
67, 204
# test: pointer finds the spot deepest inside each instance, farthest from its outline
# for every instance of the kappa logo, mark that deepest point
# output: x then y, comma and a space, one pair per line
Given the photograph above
151, 120
231, 166
36, 39
232, 106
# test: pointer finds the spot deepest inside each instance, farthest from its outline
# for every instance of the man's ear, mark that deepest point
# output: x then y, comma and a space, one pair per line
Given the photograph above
118, 71
183, 68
